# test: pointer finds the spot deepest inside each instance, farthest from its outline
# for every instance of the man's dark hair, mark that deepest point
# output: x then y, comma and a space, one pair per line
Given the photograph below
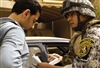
22, 5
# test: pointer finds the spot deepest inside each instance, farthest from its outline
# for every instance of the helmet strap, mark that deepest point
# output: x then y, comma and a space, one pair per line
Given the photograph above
80, 24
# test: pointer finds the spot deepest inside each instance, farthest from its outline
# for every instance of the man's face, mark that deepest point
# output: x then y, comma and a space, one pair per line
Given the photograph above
30, 20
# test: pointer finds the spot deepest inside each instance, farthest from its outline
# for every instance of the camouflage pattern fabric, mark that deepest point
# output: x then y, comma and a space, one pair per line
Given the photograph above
89, 45
92, 58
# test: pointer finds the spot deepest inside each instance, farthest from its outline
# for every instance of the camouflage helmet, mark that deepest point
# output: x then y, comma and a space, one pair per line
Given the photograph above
82, 6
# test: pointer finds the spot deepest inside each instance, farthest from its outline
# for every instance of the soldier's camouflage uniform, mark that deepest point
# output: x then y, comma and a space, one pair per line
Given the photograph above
91, 49
85, 48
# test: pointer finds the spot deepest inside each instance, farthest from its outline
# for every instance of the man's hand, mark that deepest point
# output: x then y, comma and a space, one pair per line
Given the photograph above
53, 56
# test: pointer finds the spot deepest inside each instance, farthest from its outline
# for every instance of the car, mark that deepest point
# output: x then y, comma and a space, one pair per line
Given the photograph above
41, 46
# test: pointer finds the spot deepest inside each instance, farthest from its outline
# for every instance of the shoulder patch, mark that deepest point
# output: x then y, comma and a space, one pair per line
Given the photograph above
85, 46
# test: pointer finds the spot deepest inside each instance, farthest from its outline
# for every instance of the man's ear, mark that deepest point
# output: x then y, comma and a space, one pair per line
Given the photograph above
26, 13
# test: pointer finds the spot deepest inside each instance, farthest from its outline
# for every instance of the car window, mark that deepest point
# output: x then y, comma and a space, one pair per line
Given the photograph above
33, 51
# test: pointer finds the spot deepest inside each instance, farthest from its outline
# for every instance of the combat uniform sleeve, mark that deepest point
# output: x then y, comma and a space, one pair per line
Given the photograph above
11, 52
92, 59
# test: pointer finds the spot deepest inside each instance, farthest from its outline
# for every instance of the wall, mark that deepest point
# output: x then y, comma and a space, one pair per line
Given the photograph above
96, 4
62, 29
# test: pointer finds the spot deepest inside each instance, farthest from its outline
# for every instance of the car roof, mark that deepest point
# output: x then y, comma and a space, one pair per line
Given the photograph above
45, 39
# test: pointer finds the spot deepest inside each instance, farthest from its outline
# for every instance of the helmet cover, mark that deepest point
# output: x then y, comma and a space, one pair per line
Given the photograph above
84, 7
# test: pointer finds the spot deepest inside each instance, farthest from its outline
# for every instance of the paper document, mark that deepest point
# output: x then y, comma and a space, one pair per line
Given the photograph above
55, 61
36, 60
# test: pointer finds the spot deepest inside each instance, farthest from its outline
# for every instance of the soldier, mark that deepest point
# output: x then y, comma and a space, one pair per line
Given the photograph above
85, 46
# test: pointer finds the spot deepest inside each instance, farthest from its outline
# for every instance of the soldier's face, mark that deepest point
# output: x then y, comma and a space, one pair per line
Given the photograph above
73, 19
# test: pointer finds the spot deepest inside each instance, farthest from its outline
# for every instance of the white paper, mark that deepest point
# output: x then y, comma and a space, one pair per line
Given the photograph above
55, 61
36, 59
